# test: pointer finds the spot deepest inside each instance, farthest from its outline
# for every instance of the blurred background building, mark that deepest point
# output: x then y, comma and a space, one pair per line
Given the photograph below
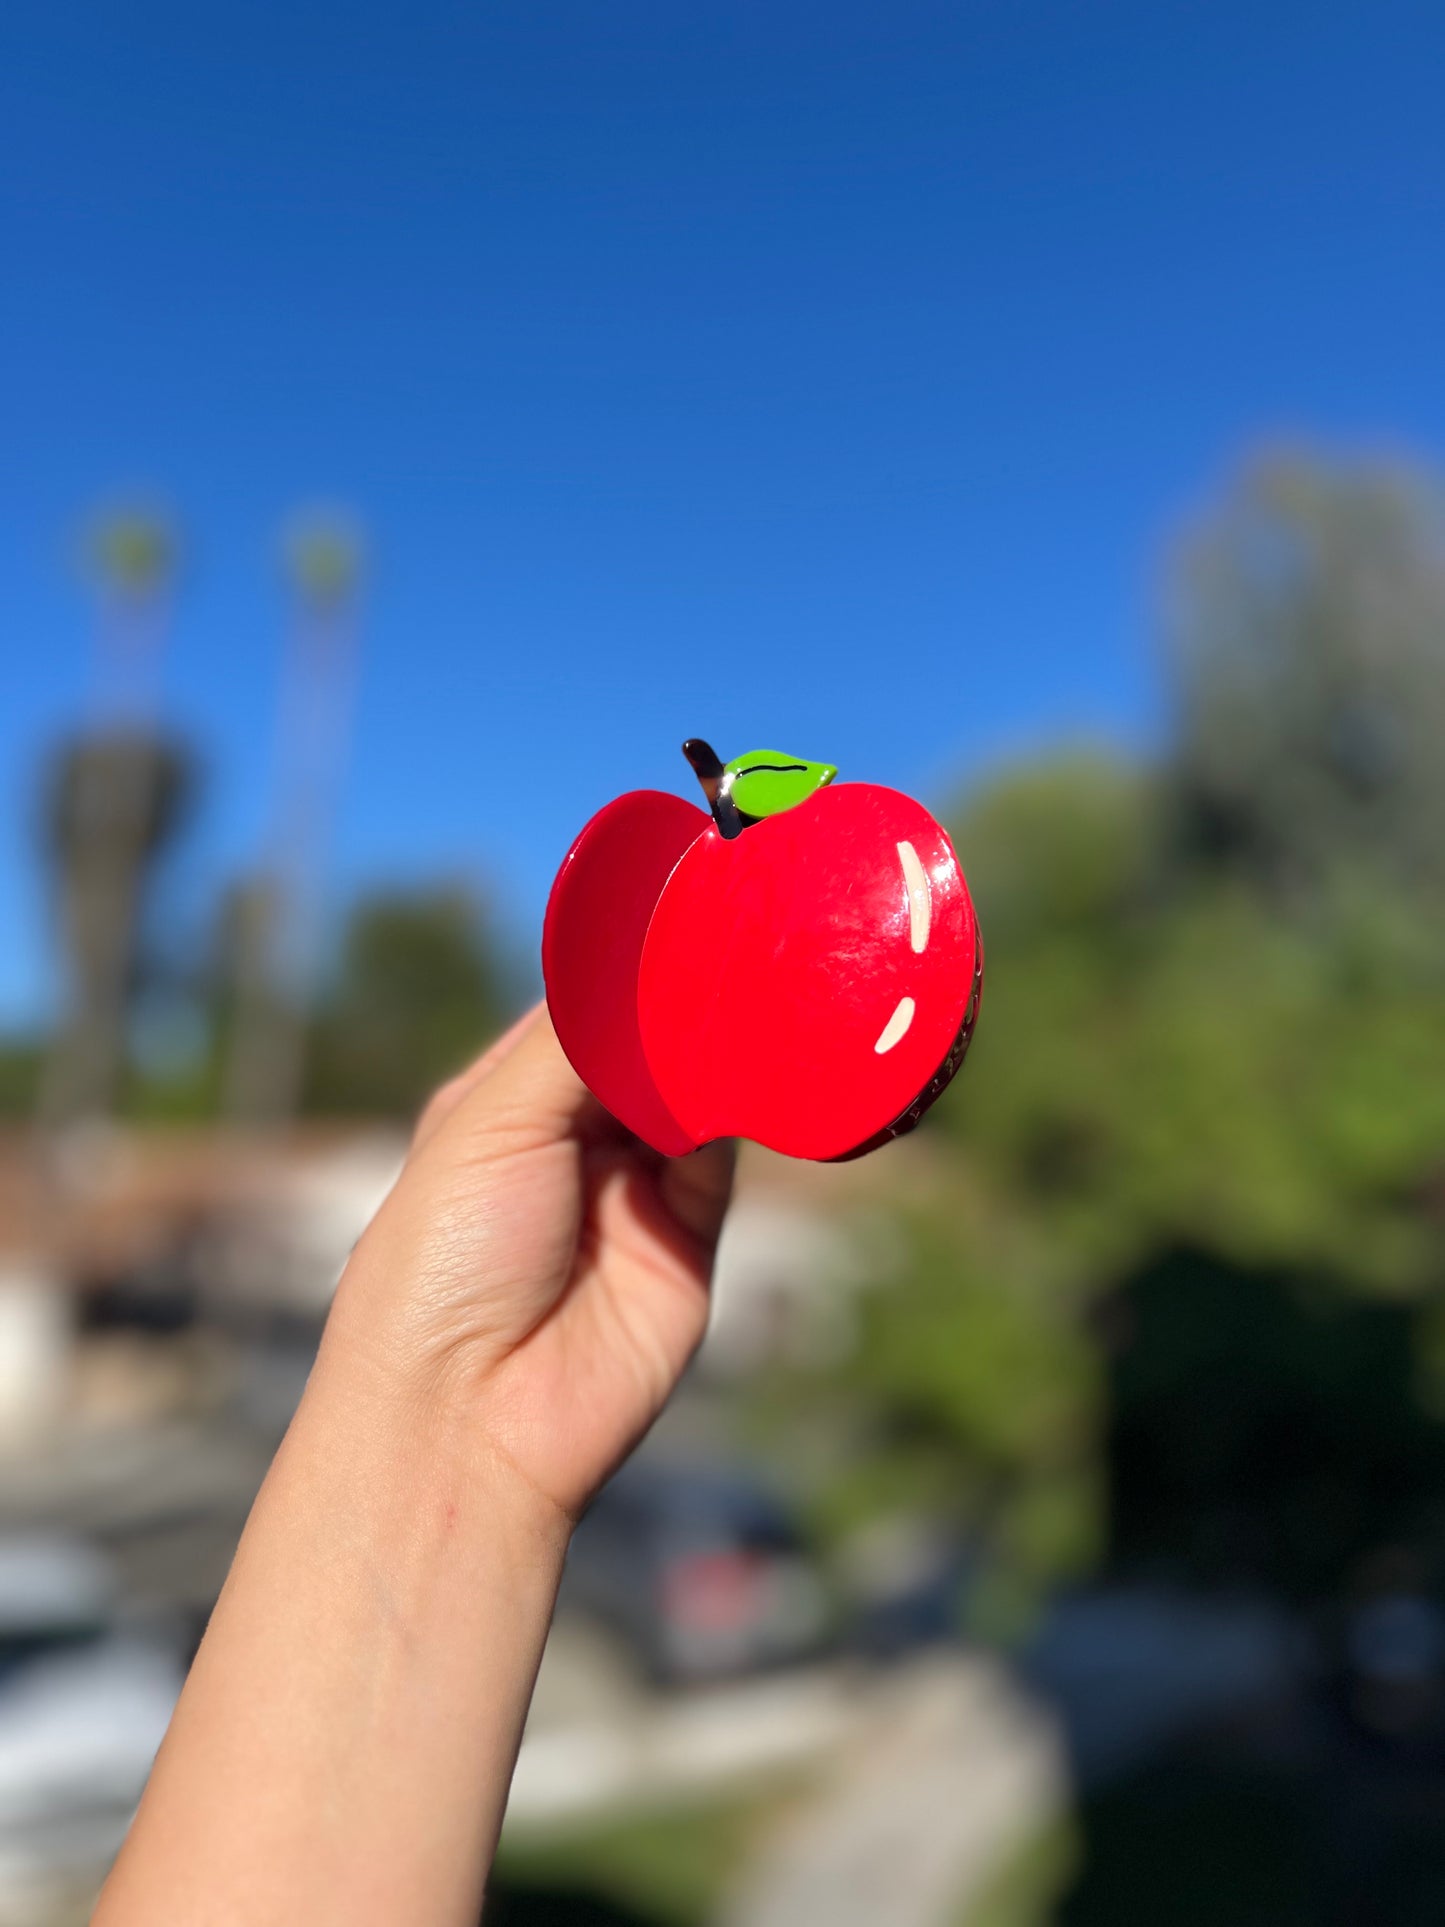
417, 425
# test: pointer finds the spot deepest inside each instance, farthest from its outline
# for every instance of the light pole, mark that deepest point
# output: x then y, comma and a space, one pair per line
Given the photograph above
278, 933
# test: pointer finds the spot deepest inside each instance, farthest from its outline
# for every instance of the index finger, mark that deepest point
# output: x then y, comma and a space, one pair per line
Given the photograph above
527, 1096
445, 1099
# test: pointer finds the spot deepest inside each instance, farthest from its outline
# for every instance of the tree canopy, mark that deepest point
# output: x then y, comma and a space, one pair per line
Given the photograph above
1214, 1016
416, 991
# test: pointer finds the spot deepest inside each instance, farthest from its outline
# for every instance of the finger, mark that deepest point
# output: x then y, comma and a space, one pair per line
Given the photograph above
697, 1189
444, 1101
530, 1098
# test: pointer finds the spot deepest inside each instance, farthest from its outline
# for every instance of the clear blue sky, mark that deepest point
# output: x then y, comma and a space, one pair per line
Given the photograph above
823, 375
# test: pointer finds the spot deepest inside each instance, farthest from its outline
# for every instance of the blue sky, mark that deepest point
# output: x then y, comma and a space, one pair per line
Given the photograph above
821, 376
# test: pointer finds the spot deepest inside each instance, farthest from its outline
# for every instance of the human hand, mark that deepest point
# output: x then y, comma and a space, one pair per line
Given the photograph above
537, 1275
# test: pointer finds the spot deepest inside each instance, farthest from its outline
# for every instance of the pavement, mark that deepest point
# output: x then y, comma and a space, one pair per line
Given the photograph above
927, 1776
954, 1770
599, 1739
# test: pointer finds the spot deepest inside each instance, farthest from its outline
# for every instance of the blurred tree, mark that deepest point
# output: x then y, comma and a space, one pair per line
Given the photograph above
1307, 642
1173, 1057
134, 552
130, 556
325, 557
984, 1387
111, 804
1214, 1023
22, 1063
416, 993
113, 797
1187, 1067
1268, 1429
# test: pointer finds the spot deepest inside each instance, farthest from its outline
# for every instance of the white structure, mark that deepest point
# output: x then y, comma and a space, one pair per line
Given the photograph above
35, 1335
786, 1287
288, 1243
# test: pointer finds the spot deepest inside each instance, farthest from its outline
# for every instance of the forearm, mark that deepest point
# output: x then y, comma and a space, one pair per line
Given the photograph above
344, 1744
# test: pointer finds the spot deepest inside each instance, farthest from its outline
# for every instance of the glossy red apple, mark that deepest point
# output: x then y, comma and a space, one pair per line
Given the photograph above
801, 972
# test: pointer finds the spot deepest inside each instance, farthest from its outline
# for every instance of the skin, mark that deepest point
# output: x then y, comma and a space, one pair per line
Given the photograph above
507, 1329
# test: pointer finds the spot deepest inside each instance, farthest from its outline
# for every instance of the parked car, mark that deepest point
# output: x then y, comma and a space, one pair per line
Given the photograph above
701, 1571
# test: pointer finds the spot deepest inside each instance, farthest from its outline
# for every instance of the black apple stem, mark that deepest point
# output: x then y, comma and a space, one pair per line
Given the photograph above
708, 769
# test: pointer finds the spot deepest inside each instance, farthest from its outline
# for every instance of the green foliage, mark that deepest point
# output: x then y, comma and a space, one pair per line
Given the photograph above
1306, 636
133, 550
1213, 1023
1269, 1429
1178, 1063
110, 801
1028, 1888
658, 1868
416, 993
1195, 1845
974, 1354
21, 1061
1201, 1841
325, 556
974, 1396
1164, 1062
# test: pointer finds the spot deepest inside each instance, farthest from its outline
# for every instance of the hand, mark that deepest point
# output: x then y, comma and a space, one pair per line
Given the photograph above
537, 1273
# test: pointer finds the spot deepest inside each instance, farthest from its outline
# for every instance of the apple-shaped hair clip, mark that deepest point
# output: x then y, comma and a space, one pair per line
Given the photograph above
801, 967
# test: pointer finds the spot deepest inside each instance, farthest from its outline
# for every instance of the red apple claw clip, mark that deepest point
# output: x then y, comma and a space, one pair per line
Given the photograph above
802, 967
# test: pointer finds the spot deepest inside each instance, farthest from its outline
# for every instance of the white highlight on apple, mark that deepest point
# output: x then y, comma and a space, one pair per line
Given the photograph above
920, 902
897, 1025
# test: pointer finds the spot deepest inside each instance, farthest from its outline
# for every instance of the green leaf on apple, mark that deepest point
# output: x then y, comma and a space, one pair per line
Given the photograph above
765, 782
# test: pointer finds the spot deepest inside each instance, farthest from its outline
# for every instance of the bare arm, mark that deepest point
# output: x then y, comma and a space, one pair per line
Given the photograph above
508, 1328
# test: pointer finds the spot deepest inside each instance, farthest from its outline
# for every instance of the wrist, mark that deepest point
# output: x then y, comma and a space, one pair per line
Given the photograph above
413, 1437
